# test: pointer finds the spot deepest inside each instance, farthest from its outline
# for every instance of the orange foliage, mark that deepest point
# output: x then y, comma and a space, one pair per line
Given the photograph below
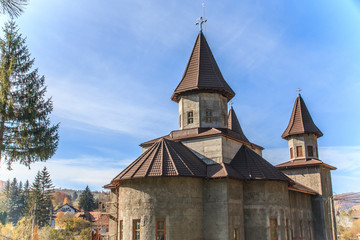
59, 198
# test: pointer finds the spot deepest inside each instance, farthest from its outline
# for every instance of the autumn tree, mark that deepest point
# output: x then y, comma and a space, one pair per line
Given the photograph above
26, 134
12, 7
86, 200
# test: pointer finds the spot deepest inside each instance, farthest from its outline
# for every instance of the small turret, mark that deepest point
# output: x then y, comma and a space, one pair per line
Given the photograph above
302, 133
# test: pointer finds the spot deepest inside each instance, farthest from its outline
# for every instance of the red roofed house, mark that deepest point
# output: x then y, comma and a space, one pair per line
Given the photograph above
208, 181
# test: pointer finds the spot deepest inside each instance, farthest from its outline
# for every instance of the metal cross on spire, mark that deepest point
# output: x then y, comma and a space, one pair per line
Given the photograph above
200, 21
298, 91
231, 103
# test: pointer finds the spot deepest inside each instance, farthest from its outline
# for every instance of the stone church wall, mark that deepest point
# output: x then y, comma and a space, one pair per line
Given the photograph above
179, 200
301, 221
265, 200
223, 209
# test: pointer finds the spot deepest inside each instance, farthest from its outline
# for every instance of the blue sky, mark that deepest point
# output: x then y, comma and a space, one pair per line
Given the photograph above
112, 67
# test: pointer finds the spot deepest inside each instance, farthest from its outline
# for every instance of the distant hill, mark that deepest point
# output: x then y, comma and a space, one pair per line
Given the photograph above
347, 201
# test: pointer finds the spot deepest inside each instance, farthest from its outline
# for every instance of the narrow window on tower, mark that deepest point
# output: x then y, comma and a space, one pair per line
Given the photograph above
190, 117
288, 229
301, 228
136, 229
160, 229
121, 230
291, 153
273, 229
310, 232
310, 151
208, 116
235, 234
299, 151
180, 121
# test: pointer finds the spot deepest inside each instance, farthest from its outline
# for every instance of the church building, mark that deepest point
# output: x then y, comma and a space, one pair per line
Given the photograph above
208, 181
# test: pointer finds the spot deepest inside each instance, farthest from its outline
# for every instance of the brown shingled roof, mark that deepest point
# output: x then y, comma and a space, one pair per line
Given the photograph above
297, 187
223, 170
199, 133
253, 166
164, 158
300, 121
202, 72
303, 163
234, 125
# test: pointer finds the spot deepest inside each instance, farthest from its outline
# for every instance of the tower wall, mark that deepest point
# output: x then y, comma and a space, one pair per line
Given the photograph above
215, 149
265, 200
199, 103
317, 178
149, 199
303, 140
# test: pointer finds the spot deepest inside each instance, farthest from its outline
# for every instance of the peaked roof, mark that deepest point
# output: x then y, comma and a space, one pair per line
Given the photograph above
304, 163
300, 121
202, 72
164, 158
223, 170
234, 125
254, 167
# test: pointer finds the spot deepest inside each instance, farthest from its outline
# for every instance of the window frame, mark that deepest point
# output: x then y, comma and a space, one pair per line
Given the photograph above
271, 220
236, 234
160, 230
210, 116
136, 230
299, 149
310, 149
301, 229
288, 232
190, 117
121, 230
291, 153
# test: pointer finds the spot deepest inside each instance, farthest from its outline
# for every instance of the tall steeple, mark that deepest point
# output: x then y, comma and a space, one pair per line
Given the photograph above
300, 121
202, 93
202, 73
302, 133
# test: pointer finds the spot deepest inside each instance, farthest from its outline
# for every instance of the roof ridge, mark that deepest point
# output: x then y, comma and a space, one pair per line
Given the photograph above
167, 146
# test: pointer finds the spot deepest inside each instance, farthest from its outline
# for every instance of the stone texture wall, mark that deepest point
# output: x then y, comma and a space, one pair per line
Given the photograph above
215, 149
317, 178
113, 223
199, 103
301, 221
264, 200
179, 200
223, 209
303, 140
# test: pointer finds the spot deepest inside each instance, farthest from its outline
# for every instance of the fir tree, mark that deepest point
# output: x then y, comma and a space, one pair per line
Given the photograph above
40, 198
74, 196
14, 195
12, 7
26, 134
86, 201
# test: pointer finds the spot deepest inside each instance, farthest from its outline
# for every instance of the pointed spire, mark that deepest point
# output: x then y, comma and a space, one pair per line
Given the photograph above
301, 121
202, 73
234, 125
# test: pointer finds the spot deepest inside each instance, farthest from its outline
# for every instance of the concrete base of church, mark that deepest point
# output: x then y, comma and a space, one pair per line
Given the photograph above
215, 209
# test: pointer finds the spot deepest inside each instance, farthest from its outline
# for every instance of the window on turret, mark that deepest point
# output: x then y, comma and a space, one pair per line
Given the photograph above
121, 230
160, 229
208, 116
310, 150
299, 151
291, 153
136, 229
190, 117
